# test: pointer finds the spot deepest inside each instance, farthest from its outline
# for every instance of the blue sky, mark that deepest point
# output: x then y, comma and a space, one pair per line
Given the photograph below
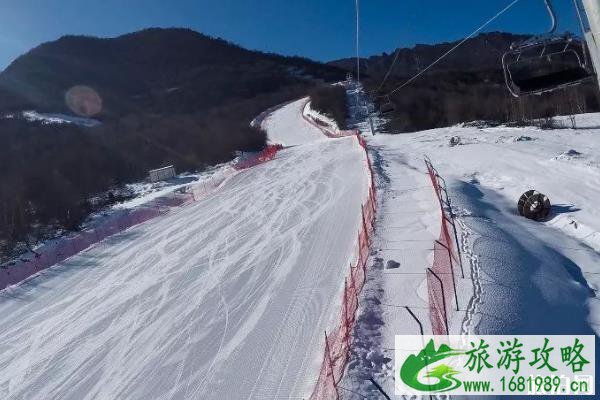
318, 29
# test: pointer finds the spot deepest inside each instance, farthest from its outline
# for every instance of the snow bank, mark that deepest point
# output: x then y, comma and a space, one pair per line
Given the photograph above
49, 118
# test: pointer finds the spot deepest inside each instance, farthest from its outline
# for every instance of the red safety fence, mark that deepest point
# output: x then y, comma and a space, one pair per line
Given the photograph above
267, 154
62, 248
441, 282
337, 342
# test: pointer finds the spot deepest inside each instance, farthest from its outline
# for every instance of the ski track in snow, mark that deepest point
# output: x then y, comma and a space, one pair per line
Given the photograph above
475, 274
224, 299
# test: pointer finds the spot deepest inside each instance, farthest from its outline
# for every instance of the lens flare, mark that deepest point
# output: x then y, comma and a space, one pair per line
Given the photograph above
83, 101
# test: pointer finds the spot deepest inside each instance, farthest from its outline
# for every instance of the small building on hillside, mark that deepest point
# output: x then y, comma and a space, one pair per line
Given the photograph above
161, 174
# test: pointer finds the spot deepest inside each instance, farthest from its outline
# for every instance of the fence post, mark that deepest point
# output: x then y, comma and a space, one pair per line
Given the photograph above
328, 355
352, 282
362, 212
457, 245
380, 389
362, 261
459, 254
347, 317
442, 186
443, 300
420, 329
416, 319
451, 271
345, 302
372, 198
373, 181
433, 180
449, 205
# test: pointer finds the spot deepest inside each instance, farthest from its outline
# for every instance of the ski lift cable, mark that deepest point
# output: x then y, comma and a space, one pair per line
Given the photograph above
357, 42
389, 71
434, 63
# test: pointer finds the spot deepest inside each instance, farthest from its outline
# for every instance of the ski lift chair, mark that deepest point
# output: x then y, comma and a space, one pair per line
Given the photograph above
545, 63
387, 107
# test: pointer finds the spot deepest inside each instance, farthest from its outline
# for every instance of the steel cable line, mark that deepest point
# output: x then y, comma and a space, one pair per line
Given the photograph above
389, 71
357, 42
489, 21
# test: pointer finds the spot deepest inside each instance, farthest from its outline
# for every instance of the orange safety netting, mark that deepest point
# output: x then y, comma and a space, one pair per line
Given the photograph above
337, 342
67, 246
440, 277
267, 154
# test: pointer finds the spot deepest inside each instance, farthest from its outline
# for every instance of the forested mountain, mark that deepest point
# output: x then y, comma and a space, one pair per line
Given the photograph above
154, 70
480, 53
163, 96
466, 85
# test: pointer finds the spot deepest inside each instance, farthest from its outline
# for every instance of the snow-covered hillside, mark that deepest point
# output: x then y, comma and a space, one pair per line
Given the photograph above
226, 298
284, 128
50, 118
521, 276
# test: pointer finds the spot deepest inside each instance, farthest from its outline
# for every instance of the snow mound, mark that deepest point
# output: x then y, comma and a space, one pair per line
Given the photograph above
49, 119
569, 155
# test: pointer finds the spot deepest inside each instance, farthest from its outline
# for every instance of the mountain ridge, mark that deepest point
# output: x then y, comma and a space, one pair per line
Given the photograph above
482, 52
163, 96
135, 67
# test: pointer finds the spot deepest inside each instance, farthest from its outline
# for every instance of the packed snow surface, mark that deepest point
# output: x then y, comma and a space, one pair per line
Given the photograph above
226, 298
283, 127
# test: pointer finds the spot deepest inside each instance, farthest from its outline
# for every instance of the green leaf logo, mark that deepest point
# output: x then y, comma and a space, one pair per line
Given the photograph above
413, 365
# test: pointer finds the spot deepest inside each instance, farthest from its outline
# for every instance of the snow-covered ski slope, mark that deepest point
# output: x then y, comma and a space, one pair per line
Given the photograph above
521, 276
227, 298
284, 128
